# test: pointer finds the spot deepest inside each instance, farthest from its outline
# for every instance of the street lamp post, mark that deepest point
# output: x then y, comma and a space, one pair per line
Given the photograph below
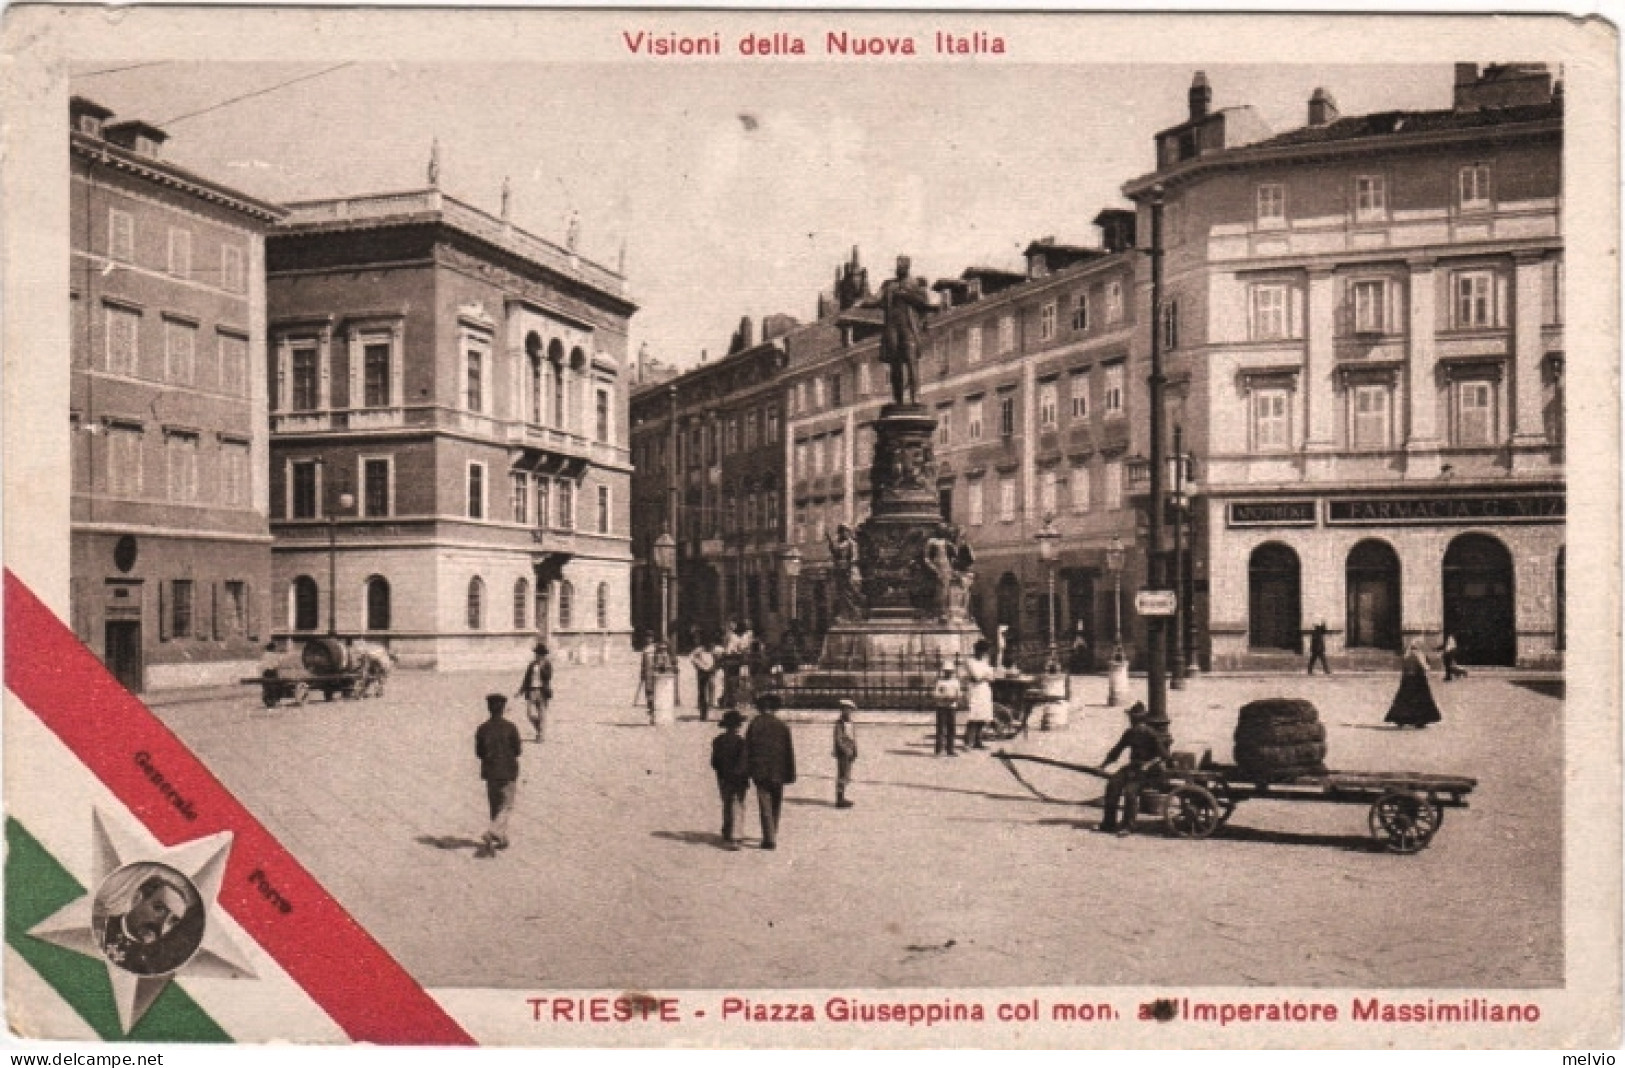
790, 557
663, 680
345, 501
1117, 670
1156, 682
665, 559
1047, 537
1177, 501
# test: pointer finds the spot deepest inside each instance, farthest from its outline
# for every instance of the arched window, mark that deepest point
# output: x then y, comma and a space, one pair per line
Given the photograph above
521, 603
476, 603
305, 604
533, 359
567, 597
377, 603
1373, 596
1274, 619
555, 358
603, 606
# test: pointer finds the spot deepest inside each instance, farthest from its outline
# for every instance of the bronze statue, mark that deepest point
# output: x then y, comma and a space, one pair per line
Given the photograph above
903, 302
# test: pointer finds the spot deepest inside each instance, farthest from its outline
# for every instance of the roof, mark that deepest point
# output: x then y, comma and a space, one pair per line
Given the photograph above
165, 173
1384, 123
1347, 133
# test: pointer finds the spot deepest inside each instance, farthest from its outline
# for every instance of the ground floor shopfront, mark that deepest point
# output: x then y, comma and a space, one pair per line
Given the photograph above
171, 610
453, 602
1379, 569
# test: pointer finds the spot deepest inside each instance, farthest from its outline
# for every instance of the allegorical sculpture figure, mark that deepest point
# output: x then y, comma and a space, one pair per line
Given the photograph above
939, 560
843, 555
903, 303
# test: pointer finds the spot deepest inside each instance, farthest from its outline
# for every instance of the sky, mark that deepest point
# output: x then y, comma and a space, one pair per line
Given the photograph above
735, 189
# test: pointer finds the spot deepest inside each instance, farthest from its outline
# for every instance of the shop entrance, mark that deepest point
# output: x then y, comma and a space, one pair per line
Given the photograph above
1274, 618
1478, 600
1373, 596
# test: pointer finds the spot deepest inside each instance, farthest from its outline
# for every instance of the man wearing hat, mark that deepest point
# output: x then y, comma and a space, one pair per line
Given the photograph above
733, 779
496, 744
1147, 750
537, 689
771, 757
846, 752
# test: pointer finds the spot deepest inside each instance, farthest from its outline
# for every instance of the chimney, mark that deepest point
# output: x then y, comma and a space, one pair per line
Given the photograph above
142, 138
1466, 74
1201, 96
1502, 85
1322, 108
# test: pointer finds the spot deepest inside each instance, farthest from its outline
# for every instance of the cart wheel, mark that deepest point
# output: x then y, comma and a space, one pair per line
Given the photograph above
301, 693
270, 695
1404, 823
1221, 793
1191, 812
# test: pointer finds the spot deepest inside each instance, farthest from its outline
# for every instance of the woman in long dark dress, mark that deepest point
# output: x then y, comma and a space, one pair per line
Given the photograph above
1414, 705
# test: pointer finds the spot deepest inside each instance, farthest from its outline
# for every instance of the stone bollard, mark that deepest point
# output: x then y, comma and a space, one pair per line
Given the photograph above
662, 713
1056, 706
1116, 682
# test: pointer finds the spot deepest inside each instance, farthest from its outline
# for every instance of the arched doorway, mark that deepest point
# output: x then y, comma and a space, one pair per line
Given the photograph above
1274, 616
1373, 596
1008, 604
377, 603
1478, 600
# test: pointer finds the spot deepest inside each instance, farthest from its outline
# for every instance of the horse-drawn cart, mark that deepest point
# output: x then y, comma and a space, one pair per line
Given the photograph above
325, 666
1404, 809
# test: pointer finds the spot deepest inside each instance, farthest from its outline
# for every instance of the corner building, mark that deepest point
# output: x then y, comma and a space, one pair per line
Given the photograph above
449, 470
170, 548
1363, 321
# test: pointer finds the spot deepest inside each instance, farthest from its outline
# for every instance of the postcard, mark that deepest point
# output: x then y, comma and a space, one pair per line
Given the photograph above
789, 529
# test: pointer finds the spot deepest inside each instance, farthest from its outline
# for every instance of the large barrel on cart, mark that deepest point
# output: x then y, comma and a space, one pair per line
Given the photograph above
320, 665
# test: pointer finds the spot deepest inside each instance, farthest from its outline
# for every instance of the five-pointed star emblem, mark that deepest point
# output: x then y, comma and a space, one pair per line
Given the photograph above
181, 879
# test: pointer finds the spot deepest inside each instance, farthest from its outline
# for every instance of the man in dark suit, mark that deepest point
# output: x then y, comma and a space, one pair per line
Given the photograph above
496, 744
770, 756
149, 938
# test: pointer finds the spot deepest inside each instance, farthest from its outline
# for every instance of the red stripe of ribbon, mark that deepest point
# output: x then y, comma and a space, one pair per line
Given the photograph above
320, 945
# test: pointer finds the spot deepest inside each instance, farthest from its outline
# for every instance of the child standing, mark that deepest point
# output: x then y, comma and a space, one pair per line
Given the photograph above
846, 752
946, 697
733, 779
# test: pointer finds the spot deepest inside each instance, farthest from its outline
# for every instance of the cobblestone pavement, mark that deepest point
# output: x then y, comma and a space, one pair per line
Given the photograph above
947, 872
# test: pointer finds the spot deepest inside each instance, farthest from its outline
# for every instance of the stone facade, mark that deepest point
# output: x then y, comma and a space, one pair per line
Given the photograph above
1364, 319
448, 414
170, 548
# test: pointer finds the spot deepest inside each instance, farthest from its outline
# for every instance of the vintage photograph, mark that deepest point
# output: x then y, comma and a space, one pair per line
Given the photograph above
671, 528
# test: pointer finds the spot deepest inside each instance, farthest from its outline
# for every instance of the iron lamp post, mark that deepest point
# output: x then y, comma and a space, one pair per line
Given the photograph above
346, 501
1047, 537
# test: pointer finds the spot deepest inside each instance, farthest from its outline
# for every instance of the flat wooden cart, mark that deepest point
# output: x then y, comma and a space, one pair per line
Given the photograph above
1405, 809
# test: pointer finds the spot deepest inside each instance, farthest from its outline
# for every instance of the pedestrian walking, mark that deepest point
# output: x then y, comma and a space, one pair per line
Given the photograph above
537, 689
771, 756
1447, 656
846, 752
496, 744
1317, 648
947, 696
733, 779
1413, 705
979, 675
1146, 751
705, 666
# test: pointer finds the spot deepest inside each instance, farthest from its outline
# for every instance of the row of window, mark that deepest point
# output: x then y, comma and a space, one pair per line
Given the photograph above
1473, 411
227, 372
708, 443
1369, 197
127, 474
997, 336
304, 604
1070, 488
121, 235
221, 614
301, 380
741, 511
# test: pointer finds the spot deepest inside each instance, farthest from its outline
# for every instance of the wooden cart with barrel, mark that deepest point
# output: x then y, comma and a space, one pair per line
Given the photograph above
1280, 759
320, 665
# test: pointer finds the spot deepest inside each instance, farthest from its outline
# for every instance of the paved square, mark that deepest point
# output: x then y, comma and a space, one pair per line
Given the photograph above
947, 872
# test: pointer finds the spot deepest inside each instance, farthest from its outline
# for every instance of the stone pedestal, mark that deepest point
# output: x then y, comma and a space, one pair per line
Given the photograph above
661, 710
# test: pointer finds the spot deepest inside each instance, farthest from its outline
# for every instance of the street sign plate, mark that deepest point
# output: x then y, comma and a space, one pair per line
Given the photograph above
1156, 602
